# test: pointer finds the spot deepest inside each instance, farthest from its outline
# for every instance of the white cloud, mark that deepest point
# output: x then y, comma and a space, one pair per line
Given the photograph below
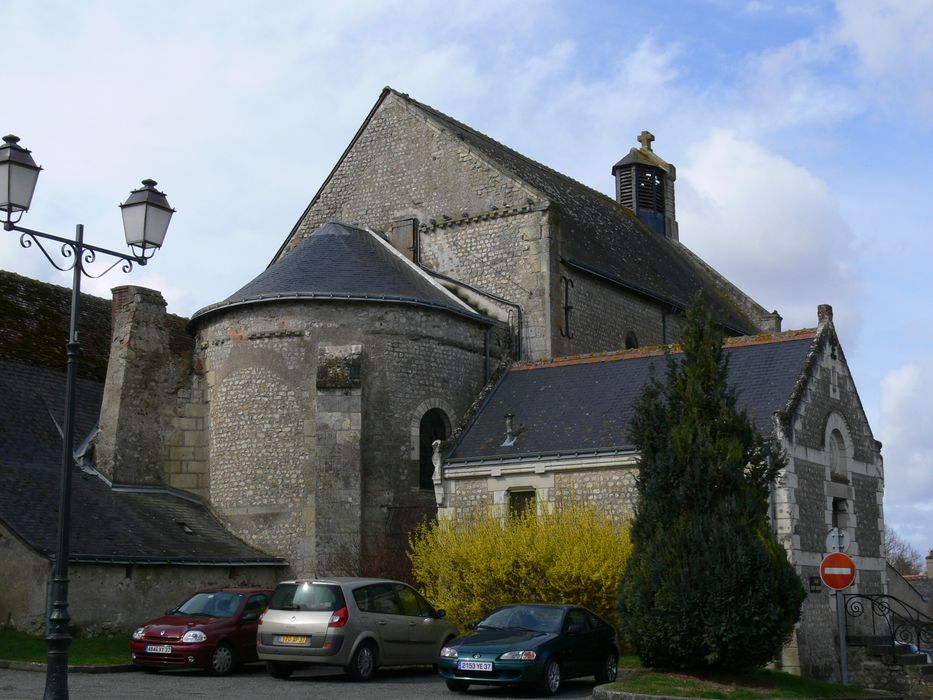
907, 436
771, 227
892, 39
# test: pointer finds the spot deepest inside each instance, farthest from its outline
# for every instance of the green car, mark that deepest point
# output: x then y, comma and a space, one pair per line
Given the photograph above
540, 645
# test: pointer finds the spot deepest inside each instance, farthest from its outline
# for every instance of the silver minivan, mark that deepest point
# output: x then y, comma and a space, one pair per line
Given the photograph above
358, 624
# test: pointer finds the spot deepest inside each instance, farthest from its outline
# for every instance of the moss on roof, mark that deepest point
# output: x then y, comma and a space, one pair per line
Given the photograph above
34, 321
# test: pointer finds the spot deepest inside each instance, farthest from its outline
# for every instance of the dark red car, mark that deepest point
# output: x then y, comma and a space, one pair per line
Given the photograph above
213, 629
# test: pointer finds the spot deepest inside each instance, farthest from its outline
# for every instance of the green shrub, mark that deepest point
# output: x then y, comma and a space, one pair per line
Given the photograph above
708, 586
573, 554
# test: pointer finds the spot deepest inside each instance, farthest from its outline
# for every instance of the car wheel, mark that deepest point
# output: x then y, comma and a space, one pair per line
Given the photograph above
607, 671
222, 661
550, 681
457, 686
363, 663
277, 670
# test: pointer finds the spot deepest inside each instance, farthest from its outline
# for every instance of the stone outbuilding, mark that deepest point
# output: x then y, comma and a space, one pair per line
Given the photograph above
550, 429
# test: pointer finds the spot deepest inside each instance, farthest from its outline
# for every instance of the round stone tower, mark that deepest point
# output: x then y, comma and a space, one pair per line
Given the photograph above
327, 378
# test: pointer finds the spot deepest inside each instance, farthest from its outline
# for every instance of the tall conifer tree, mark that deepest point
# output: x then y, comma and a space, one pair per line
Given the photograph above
708, 584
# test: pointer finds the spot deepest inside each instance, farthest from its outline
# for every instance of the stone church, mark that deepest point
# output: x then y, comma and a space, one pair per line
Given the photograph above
450, 325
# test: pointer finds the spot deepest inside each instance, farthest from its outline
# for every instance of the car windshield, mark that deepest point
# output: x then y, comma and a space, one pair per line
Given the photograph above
215, 604
536, 618
307, 596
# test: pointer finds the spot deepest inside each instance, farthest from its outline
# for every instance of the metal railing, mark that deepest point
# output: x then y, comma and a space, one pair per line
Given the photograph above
892, 619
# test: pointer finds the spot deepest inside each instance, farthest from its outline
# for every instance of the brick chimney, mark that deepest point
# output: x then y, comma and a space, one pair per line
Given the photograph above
645, 185
129, 447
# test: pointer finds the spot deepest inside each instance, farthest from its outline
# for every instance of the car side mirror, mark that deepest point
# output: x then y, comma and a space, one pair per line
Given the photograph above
170, 611
440, 614
250, 616
575, 628
472, 625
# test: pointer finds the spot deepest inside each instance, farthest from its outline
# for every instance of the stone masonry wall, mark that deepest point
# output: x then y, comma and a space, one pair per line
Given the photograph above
186, 443
269, 436
607, 482
823, 486
477, 225
603, 314
504, 253
107, 598
146, 393
480, 227
402, 167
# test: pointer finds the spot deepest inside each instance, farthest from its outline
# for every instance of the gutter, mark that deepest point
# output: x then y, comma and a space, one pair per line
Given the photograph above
540, 457
333, 296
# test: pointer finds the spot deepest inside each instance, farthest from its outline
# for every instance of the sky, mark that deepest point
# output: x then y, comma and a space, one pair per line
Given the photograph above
802, 133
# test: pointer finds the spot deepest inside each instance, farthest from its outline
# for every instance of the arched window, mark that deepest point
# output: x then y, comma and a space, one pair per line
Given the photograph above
631, 340
434, 426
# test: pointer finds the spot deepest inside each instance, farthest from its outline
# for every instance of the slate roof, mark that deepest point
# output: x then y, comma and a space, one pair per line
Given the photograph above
107, 525
584, 405
343, 262
601, 236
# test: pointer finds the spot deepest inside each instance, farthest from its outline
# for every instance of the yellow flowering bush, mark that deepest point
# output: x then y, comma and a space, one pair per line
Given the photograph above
574, 554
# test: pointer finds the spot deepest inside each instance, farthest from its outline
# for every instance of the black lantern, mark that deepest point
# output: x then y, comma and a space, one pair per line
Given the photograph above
18, 175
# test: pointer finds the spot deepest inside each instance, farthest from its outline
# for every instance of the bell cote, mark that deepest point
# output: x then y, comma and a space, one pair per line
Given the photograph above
645, 185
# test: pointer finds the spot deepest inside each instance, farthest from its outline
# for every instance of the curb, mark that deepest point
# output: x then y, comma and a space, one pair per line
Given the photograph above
605, 692
34, 666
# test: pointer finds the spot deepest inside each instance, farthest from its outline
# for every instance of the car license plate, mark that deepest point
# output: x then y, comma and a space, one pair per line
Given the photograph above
292, 639
474, 665
158, 649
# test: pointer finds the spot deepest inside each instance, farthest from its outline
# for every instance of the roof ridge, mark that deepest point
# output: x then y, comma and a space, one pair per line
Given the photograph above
658, 350
436, 112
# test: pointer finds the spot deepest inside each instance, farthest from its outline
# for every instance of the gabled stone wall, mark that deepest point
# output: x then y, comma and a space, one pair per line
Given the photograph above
480, 226
823, 487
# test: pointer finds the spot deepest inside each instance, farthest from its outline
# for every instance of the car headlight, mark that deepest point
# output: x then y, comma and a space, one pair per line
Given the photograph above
194, 636
524, 655
449, 653
138, 634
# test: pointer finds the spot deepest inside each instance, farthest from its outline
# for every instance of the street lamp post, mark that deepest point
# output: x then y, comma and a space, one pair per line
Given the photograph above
146, 216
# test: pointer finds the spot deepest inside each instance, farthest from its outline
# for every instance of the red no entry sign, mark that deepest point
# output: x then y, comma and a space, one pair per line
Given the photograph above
837, 570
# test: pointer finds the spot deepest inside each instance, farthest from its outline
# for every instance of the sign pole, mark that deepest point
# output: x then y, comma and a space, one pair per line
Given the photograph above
837, 570
843, 646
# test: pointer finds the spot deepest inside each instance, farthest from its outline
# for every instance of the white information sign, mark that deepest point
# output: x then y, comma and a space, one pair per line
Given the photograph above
837, 540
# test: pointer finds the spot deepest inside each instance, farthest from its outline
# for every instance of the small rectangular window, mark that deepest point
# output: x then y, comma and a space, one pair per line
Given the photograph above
521, 502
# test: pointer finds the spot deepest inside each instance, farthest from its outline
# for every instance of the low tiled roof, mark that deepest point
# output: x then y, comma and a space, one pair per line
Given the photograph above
343, 262
107, 524
584, 405
604, 238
